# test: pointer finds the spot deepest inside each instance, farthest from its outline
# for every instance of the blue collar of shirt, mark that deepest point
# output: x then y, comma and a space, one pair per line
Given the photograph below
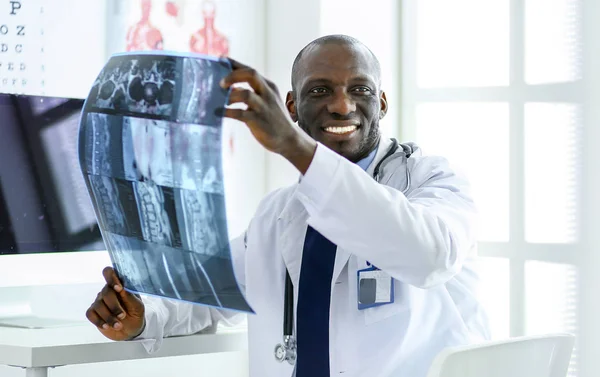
365, 162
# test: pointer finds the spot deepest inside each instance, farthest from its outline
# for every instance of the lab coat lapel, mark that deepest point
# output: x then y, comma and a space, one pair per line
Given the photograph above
342, 256
293, 221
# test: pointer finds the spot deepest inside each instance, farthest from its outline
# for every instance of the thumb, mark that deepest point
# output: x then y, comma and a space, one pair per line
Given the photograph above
131, 303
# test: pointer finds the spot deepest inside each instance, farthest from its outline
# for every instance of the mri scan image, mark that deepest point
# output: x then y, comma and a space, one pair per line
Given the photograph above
151, 154
143, 85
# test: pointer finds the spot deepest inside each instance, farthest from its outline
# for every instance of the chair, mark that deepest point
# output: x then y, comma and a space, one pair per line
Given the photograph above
531, 356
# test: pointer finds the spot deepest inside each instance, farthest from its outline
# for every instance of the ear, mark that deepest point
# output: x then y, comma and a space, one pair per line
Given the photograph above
383, 105
290, 103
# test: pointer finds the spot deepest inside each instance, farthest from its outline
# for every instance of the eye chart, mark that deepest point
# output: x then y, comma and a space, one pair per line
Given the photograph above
22, 47
51, 47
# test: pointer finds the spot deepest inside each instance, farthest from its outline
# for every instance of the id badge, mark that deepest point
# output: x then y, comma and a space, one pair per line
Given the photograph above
375, 288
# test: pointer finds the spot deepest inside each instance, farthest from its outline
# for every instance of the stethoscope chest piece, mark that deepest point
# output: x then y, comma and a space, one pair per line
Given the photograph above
286, 351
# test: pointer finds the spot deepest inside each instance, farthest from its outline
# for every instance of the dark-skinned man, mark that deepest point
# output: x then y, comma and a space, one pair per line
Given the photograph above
376, 237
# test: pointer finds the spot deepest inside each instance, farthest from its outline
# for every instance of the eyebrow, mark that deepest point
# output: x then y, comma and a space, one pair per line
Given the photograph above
324, 80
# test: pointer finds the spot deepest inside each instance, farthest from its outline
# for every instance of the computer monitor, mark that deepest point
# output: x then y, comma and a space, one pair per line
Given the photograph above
44, 203
45, 208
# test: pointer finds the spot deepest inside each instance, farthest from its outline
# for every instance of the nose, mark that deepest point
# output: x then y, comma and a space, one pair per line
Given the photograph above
341, 103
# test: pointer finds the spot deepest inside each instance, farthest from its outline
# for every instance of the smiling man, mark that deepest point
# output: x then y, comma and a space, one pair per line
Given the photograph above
331, 67
376, 239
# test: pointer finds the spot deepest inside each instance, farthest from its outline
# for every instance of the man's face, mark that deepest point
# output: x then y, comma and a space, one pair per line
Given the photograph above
337, 99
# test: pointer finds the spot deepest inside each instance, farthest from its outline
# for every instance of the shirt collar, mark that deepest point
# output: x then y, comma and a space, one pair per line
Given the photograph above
365, 162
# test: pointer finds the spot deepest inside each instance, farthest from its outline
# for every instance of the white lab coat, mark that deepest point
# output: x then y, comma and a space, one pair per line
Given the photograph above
425, 240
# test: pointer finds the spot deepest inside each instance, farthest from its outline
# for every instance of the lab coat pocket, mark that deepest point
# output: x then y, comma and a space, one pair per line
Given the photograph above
380, 313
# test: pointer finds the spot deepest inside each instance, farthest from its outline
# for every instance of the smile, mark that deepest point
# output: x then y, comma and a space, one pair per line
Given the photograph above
340, 130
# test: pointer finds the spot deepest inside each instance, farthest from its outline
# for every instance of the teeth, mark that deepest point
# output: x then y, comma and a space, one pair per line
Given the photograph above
340, 130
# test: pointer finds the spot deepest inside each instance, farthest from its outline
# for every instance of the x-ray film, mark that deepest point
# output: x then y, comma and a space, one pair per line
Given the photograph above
150, 152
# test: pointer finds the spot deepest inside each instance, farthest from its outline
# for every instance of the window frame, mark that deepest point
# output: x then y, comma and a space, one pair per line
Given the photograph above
517, 251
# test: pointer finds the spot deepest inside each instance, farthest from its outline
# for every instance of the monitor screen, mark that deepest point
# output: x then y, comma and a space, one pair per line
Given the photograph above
44, 202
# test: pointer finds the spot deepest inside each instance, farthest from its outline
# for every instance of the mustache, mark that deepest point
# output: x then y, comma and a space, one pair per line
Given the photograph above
352, 117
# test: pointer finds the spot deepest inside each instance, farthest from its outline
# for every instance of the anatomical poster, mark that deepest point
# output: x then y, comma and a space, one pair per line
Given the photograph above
150, 147
171, 25
207, 27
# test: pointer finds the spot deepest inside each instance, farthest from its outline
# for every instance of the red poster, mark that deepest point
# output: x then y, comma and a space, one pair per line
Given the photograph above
143, 35
207, 39
175, 25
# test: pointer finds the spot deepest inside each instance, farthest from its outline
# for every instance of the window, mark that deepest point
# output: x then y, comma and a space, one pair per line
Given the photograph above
496, 87
449, 129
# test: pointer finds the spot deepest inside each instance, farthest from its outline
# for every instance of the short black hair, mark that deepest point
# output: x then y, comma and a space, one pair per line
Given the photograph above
333, 39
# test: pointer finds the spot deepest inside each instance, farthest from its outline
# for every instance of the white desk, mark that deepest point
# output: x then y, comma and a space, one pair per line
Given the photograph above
36, 350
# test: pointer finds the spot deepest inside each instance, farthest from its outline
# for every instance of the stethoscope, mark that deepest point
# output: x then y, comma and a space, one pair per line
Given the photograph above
287, 350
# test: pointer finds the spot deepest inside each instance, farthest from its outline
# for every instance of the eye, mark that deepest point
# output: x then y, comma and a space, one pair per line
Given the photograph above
318, 90
362, 89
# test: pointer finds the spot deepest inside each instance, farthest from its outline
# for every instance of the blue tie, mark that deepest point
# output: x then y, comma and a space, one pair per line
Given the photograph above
314, 294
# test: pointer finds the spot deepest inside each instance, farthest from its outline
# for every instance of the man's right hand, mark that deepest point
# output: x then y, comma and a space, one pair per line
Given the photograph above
118, 314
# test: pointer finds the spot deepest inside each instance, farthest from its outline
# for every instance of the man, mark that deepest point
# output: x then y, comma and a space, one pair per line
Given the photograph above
330, 230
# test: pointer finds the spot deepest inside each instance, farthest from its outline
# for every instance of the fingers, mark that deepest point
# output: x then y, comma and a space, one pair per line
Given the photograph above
125, 300
248, 97
246, 75
93, 317
242, 73
106, 311
272, 85
109, 296
237, 65
107, 316
101, 316
238, 114
112, 279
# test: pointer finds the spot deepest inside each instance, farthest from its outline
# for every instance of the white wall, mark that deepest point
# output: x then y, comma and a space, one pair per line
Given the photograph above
291, 25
